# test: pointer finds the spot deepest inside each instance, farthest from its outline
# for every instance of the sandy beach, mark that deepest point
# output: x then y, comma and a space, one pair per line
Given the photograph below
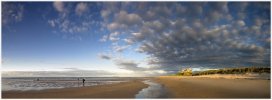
118, 90
200, 87
210, 86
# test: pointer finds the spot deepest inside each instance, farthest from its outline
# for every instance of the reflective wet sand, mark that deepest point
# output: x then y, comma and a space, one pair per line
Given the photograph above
154, 90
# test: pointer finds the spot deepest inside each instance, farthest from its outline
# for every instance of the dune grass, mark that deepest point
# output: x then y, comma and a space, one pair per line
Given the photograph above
242, 70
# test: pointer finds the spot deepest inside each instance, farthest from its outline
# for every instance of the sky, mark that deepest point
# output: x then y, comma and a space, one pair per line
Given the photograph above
132, 38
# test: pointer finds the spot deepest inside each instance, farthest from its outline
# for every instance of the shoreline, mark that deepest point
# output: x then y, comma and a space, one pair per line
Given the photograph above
118, 90
206, 86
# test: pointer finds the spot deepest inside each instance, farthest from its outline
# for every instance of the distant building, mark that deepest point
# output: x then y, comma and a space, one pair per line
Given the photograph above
186, 72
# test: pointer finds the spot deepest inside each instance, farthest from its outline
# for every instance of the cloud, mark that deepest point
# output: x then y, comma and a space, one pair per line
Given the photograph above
52, 23
129, 19
241, 23
138, 36
70, 73
123, 20
129, 41
105, 56
105, 13
81, 8
133, 67
118, 48
104, 38
177, 35
59, 6
12, 13
113, 26
114, 36
127, 64
73, 20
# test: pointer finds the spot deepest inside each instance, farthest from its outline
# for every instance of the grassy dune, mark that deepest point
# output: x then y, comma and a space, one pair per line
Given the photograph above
227, 71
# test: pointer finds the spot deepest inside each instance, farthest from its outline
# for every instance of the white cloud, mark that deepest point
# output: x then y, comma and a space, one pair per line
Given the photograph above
81, 8
59, 6
114, 36
104, 38
113, 26
130, 19
123, 20
65, 22
129, 41
105, 13
52, 23
138, 36
241, 23
118, 48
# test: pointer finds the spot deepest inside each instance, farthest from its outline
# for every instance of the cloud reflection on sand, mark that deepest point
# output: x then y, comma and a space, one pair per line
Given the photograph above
155, 90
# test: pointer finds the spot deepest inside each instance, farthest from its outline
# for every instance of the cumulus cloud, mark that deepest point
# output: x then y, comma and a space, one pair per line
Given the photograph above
105, 13
113, 26
81, 8
129, 19
241, 23
177, 34
59, 6
72, 18
114, 36
123, 20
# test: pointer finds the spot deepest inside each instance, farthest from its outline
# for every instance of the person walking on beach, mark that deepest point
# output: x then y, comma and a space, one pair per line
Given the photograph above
83, 81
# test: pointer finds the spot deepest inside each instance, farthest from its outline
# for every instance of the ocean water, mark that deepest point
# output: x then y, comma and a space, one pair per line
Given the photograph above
154, 90
40, 83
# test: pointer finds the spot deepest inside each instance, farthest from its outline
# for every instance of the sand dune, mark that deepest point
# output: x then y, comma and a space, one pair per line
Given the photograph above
257, 76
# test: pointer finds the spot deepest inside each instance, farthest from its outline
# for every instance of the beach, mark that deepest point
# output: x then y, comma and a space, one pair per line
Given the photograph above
118, 90
206, 86
214, 87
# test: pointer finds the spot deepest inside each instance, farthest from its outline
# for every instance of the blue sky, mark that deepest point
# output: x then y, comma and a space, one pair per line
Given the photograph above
133, 38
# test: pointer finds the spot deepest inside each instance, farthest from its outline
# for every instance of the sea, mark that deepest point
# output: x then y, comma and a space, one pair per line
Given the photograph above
41, 83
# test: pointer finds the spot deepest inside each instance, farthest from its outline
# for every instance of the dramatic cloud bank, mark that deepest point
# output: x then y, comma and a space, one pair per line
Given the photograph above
199, 34
142, 38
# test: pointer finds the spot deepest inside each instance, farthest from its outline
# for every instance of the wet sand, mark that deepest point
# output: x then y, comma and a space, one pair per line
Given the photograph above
198, 87
118, 90
176, 87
